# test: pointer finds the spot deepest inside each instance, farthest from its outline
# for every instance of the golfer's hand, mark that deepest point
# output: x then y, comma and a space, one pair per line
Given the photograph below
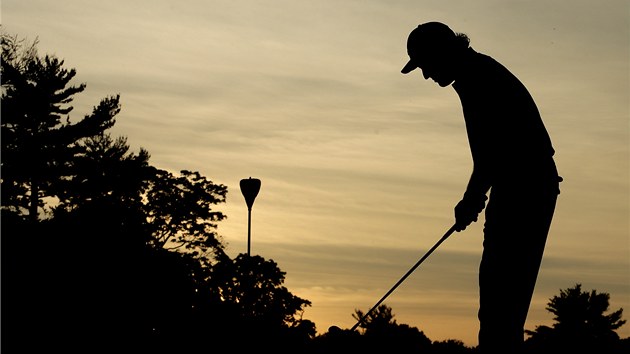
467, 211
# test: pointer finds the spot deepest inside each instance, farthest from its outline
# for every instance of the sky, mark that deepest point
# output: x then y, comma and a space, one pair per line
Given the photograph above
360, 165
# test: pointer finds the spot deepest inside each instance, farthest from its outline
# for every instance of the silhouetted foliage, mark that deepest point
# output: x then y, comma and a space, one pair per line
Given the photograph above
38, 140
581, 324
53, 165
86, 277
384, 334
451, 346
381, 334
251, 302
179, 211
255, 286
128, 258
104, 168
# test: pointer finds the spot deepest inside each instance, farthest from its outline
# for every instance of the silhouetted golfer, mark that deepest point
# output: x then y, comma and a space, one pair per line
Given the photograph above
513, 159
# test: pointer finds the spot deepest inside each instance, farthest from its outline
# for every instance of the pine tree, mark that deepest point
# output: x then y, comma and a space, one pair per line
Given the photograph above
39, 141
581, 323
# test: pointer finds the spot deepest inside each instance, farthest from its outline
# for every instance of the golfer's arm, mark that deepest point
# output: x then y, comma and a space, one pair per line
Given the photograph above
478, 185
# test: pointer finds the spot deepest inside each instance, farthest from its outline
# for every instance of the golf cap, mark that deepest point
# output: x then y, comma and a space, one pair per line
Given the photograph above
427, 36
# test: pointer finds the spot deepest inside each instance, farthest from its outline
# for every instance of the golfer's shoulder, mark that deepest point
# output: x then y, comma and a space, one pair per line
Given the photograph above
494, 73
486, 64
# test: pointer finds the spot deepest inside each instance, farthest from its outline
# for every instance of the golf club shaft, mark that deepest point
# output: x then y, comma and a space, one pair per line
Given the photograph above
446, 235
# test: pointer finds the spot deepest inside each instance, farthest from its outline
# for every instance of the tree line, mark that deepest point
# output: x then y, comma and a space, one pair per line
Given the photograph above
104, 252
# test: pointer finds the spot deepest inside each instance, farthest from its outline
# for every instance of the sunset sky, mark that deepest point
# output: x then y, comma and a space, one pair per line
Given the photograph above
360, 165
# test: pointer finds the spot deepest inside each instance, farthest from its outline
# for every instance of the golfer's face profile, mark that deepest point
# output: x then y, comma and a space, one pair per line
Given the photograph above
437, 72
434, 67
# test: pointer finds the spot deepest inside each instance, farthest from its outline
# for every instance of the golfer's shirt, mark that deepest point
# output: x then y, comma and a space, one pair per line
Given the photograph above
506, 134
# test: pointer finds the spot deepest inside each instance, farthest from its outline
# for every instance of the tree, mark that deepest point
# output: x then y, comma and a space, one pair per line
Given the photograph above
247, 302
378, 319
383, 334
450, 346
50, 163
255, 286
581, 324
104, 169
180, 212
39, 141
93, 260
127, 253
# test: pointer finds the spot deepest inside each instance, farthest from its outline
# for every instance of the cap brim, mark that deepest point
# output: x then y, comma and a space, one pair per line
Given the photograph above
409, 67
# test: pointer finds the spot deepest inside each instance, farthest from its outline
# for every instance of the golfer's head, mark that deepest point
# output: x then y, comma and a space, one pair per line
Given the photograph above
433, 47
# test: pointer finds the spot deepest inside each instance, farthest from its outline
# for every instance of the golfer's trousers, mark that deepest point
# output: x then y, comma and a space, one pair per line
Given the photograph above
517, 220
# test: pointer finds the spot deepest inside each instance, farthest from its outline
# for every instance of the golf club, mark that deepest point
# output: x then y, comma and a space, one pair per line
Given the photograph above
446, 235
